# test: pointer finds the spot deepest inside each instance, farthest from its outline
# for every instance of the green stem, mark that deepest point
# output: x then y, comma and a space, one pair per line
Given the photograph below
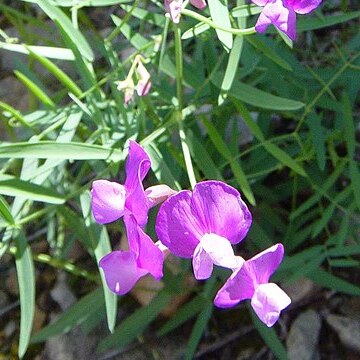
196, 16
180, 98
59, 264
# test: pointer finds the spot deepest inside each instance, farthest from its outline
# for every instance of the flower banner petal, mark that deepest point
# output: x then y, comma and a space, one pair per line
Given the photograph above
264, 264
304, 6
177, 227
220, 210
137, 166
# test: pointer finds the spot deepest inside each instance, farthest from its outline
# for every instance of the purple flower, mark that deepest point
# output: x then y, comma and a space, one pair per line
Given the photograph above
122, 269
203, 224
251, 281
110, 200
282, 14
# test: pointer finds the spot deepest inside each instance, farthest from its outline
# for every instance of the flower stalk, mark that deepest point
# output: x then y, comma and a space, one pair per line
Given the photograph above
180, 98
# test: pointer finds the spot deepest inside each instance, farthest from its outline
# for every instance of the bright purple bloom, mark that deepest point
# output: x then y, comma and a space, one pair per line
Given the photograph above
282, 14
122, 269
251, 281
110, 200
203, 224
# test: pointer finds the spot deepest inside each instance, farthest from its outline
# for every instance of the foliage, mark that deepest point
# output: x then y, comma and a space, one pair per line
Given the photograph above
272, 119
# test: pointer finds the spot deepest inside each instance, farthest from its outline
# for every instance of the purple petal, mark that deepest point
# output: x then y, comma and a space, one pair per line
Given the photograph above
304, 6
148, 256
220, 210
200, 4
283, 17
177, 227
264, 264
239, 286
158, 193
121, 271
137, 166
202, 263
107, 201
243, 283
268, 301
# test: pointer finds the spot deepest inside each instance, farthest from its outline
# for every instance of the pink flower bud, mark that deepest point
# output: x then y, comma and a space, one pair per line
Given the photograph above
144, 84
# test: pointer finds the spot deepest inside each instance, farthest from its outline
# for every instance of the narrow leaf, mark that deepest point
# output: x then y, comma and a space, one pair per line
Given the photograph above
26, 279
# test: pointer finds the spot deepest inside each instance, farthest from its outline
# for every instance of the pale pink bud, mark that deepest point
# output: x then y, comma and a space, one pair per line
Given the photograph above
173, 8
158, 193
200, 4
144, 84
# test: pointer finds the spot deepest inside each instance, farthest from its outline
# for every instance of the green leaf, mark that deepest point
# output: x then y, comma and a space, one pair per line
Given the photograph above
198, 330
202, 320
160, 168
270, 337
268, 52
355, 181
198, 29
202, 158
136, 323
58, 150
219, 12
16, 187
318, 138
320, 193
137, 40
274, 150
58, 73
349, 127
15, 113
5, 211
313, 23
231, 68
100, 241
35, 89
26, 279
234, 164
46, 51
246, 10
325, 279
258, 98
186, 312
71, 317
63, 21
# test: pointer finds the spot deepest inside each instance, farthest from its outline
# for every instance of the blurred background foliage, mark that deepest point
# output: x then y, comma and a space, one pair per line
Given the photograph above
278, 121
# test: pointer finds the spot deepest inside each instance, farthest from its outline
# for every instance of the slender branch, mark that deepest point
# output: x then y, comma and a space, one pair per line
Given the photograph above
194, 15
180, 98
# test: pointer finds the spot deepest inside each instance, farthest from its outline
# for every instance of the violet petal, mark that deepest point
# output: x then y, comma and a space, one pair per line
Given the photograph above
149, 256
121, 271
137, 166
268, 301
177, 227
220, 210
107, 201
